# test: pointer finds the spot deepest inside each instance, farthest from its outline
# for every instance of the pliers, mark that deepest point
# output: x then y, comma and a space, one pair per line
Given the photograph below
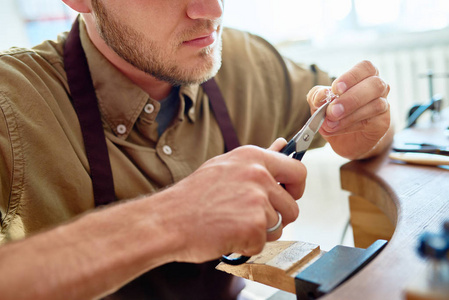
296, 147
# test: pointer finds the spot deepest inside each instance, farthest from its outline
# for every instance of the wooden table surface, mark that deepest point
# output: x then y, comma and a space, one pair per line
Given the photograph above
415, 198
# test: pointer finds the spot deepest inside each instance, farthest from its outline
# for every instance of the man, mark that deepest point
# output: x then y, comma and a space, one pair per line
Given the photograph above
139, 56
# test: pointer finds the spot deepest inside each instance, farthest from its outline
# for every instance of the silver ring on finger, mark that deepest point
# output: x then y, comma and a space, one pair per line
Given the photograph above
277, 226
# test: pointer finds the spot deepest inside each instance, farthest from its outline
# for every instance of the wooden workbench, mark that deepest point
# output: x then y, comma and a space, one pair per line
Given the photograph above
414, 198
389, 200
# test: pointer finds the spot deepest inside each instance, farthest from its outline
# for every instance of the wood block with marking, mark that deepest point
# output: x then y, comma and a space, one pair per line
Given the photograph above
277, 265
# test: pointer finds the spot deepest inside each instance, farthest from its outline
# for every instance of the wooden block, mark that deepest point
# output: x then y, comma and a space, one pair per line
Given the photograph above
277, 265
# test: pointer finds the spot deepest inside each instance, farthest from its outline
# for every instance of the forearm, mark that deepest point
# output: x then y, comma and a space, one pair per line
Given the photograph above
89, 257
225, 206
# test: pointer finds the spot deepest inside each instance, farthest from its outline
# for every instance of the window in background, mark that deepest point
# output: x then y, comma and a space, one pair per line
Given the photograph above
279, 21
424, 15
377, 13
318, 21
45, 19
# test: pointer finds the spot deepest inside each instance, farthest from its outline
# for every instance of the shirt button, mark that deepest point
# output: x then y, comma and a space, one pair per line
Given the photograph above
167, 150
121, 129
149, 108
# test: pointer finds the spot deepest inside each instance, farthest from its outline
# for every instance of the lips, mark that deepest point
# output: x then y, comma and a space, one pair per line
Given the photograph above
202, 40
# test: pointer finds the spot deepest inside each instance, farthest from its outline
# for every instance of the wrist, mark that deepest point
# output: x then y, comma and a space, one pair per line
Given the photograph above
383, 143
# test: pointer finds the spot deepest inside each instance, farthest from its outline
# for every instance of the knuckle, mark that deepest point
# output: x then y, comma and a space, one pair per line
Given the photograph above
260, 223
257, 198
355, 99
243, 150
291, 215
365, 123
295, 212
379, 84
245, 154
387, 91
354, 76
316, 94
369, 67
311, 93
258, 173
274, 235
253, 235
257, 248
380, 106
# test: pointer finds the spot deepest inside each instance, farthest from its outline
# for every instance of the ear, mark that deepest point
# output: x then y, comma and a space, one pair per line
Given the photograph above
81, 6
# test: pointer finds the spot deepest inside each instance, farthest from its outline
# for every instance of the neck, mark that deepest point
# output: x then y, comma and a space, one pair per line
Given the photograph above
155, 88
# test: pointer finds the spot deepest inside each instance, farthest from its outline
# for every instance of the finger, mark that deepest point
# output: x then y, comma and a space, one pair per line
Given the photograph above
316, 96
278, 144
268, 168
357, 97
274, 232
290, 172
374, 108
355, 75
281, 201
387, 91
375, 126
280, 167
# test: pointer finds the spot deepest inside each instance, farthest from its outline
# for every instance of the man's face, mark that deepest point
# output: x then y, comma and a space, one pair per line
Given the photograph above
169, 39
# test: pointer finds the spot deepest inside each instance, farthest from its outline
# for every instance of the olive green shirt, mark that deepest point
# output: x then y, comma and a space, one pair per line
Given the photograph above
44, 172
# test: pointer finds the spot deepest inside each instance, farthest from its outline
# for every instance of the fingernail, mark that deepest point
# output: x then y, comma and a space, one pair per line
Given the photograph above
332, 124
337, 110
341, 88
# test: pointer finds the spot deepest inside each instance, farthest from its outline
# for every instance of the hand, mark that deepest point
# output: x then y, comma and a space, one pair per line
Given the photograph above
229, 202
357, 123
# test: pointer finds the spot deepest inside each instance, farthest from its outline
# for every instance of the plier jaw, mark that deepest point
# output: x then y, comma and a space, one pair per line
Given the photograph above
299, 144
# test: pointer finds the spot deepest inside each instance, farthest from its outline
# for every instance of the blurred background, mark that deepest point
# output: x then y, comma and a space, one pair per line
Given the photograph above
404, 38
408, 40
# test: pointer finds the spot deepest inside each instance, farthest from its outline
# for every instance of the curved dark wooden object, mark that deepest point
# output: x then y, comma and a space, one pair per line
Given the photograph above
389, 200
415, 198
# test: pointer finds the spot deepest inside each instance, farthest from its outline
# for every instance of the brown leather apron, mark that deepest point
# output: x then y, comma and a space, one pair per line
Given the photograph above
174, 280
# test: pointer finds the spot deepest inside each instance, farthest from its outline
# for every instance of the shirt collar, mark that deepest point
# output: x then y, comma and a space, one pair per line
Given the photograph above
189, 96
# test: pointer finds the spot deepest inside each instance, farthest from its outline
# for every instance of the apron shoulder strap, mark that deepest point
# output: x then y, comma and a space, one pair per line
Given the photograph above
85, 103
220, 110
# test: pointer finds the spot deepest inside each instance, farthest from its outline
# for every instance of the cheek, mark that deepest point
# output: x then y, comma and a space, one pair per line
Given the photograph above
159, 20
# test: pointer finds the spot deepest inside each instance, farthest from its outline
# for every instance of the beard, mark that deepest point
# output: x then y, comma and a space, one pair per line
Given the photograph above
147, 56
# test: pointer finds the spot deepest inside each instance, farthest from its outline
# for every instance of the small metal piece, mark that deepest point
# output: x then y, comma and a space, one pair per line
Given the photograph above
306, 137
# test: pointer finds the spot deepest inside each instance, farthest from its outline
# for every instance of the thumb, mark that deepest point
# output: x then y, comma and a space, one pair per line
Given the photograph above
278, 144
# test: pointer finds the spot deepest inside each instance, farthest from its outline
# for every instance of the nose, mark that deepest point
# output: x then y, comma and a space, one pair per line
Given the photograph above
205, 9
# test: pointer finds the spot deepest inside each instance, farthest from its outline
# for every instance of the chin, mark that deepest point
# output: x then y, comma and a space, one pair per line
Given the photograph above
196, 75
